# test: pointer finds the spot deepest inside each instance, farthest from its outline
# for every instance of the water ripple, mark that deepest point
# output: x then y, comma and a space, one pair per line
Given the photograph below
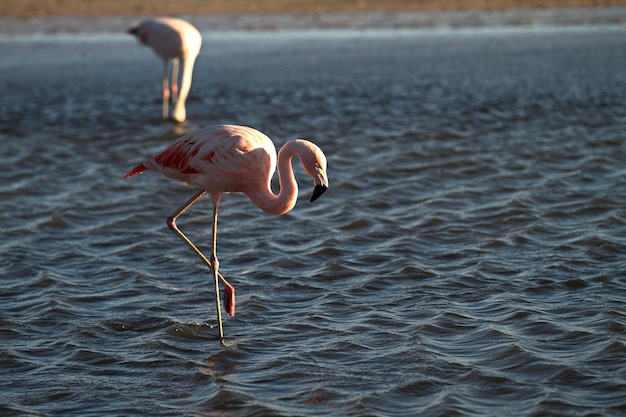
466, 259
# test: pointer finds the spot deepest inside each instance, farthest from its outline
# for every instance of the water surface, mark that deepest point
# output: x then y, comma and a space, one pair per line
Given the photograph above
468, 258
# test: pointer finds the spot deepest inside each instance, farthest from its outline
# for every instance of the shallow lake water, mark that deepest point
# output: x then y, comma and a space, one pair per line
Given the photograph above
468, 258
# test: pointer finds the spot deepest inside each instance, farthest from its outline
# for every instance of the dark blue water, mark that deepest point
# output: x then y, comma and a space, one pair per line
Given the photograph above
468, 259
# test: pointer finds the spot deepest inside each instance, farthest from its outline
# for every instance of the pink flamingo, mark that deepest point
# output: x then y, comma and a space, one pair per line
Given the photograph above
222, 159
177, 41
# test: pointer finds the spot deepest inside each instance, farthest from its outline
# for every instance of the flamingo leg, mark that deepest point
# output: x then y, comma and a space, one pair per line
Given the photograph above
212, 263
165, 88
174, 81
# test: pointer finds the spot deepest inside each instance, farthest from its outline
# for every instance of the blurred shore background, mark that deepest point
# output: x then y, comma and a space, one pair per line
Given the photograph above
50, 17
33, 8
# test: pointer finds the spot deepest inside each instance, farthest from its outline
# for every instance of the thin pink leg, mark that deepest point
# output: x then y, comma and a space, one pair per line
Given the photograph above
212, 263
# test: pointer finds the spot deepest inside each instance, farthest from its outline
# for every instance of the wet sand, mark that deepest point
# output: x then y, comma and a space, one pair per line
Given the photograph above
41, 8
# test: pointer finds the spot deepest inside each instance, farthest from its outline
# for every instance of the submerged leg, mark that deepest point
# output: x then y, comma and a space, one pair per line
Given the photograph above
212, 263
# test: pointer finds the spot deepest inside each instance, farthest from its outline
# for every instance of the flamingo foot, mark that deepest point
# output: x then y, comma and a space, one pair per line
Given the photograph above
229, 299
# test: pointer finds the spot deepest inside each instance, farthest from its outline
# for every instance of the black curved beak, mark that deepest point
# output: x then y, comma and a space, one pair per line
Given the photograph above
317, 192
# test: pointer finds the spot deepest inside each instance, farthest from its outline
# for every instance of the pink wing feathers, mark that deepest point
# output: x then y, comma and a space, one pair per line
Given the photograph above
217, 159
178, 160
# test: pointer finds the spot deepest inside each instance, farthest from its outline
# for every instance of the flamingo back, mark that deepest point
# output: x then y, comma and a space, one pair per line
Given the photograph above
218, 159
169, 37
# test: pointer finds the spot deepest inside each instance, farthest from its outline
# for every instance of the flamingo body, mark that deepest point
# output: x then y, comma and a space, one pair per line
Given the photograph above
225, 158
217, 159
177, 41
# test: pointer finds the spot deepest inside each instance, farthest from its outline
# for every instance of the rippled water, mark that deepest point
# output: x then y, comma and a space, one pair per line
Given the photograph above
468, 258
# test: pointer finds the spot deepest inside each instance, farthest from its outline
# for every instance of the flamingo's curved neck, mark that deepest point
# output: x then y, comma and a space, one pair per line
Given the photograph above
266, 200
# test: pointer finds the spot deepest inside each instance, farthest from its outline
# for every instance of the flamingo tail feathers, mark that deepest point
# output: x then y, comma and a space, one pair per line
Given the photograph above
139, 169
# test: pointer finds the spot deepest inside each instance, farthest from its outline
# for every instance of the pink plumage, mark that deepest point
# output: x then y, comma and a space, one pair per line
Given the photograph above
225, 158
177, 42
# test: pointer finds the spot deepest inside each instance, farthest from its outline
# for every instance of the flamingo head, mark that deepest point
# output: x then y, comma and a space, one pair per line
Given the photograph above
314, 162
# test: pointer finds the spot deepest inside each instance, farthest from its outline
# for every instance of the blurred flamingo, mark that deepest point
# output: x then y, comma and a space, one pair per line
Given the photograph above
177, 41
222, 159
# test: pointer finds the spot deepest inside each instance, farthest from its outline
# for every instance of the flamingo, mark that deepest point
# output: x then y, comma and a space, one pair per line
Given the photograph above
177, 41
225, 158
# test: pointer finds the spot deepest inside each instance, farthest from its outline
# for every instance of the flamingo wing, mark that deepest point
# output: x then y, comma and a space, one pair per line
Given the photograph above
217, 159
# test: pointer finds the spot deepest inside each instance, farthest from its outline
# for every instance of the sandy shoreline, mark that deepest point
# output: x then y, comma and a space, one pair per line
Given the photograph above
46, 8
113, 16
527, 18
